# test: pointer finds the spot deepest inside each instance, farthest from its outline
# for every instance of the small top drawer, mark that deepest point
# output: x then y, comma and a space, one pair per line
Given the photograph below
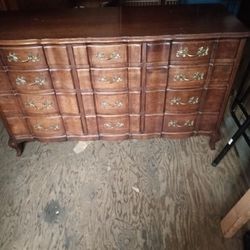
191, 52
107, 55
23, 57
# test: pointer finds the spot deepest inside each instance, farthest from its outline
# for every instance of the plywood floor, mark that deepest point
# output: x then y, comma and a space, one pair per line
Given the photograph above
152, 194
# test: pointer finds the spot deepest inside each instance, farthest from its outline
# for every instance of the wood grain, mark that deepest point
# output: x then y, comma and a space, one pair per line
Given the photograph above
154, 194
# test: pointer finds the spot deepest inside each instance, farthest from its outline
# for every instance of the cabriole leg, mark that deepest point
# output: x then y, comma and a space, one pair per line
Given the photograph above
213, 139
17, 146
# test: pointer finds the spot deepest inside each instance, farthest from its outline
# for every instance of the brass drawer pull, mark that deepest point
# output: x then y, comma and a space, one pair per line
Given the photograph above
116, 104
50, 128
115, 125
184, 52
191, 100
115, 79
112, 56
196, 76
175, 124
13, 57
20, 80
45, 105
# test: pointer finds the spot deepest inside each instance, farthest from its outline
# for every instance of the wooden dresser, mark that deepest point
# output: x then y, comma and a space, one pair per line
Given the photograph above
117, 73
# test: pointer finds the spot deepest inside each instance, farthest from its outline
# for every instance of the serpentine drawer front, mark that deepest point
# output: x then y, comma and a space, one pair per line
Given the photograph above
153, 72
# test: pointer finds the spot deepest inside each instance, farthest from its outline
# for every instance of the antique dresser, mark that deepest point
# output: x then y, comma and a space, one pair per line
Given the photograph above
117, 73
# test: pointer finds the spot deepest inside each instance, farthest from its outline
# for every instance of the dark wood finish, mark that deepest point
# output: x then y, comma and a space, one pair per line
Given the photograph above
65, 79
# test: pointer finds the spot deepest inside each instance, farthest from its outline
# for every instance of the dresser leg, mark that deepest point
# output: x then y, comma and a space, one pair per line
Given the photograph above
17, 146
213, 139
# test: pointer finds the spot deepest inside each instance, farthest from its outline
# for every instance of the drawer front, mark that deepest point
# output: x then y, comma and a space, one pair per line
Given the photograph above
109, 79
109, 104
191, 52
9, 105
158, 52
156, 77
39, 104
227, 49
23, 57
187, 77
153, 123
56, 56
221, 74
113, 125
214, 99
108, 55
185, 100
155, 102
208, 122
73, 125
30, 80
179, 123
46, 127
18, 126
62, 79
4, 82
68, 103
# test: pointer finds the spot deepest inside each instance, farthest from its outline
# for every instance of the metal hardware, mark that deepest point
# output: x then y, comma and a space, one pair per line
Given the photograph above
113, 55
191, 100
45, 105
115, 79
116, 104
184, 52
13, 57
20, 80
196, 76
115, 125
175, 124
50, 128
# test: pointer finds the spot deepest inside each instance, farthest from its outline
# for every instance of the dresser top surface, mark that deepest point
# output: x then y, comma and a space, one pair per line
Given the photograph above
181, 21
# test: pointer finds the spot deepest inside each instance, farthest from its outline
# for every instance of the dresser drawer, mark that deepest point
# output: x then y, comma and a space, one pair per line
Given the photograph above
158, 52
179, 123
227, 49
23, 57
46, 126
39, 104
57, 56
183, 100
156, 77
187, 77
67, 103
214, 99
4, 82
30, 80
73, 125
109, 79
62, 79
108, 55
109, 104
221, 74
113, 125
18, 126
9, 105
191, 52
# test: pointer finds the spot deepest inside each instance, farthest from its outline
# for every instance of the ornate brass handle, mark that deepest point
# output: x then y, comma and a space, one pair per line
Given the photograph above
50, 128
178, 101
112, 56
184, 52
13, 57
20, 80
115, 79
115, 125
45, 105
196, 76
175, 124
116, 104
